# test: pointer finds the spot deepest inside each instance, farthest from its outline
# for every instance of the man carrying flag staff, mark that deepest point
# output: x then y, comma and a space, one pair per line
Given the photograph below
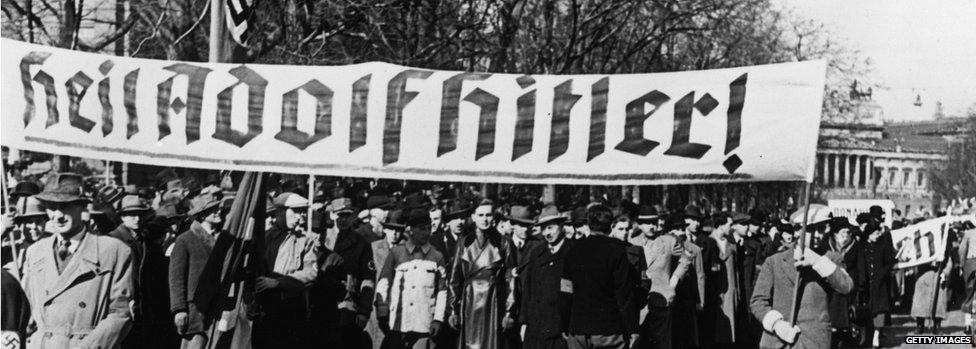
290, 255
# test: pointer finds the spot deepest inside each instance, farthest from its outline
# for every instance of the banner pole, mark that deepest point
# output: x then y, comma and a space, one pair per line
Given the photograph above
311, 200
216, 53
803, 245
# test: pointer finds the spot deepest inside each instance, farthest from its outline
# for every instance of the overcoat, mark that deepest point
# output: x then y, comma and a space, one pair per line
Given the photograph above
841, 303
479, 291
926, 303
541, 309
774, 292
87, 304
874, 266
721, 298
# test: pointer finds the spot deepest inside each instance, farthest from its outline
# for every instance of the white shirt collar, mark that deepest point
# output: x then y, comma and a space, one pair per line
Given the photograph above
74, 240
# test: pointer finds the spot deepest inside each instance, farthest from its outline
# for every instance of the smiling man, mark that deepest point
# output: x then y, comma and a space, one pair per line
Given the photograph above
78, 283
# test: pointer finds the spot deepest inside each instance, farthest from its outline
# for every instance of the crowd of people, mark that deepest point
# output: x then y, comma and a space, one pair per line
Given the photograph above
411, 267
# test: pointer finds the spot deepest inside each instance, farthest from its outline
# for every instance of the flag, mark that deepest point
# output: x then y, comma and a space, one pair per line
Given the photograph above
238, 13
222, 289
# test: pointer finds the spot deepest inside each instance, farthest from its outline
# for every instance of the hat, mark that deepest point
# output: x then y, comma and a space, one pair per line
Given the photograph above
340, 205
395, 220
692, 211
174, 184
757, 217
458, 209
132, 204
578, 216
130, 189
549, 215
203, 203
876, 211
520, 214
646, 213
379, 201
64, 187
269, 205
29, 207
414, 200
674, 221
110, 194
740, 218
26, 188
418, 218
294, 201
168, 212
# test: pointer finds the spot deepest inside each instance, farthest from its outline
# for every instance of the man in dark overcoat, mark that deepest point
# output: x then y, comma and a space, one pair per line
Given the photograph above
540, 309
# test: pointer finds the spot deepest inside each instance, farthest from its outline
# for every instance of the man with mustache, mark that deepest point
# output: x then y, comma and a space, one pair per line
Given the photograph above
78, 282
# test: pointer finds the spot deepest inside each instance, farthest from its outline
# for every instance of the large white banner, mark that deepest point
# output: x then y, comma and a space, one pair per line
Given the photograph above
924, 242
756, 123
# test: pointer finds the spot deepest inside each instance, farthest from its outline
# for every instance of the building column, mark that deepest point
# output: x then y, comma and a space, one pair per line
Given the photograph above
855, 179
836, 170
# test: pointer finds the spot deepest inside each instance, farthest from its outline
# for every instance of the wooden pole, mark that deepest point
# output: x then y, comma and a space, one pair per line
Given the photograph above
217, 31
802, 245
311, 198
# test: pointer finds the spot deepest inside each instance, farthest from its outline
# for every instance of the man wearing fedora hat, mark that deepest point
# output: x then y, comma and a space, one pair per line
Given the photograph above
27, 227
520, 219
540, 311
445, 240
150, 310
378, 207
393, 233
78, 282
690, 292
190, 253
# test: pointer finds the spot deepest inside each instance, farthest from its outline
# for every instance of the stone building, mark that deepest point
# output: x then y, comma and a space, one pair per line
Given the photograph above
871, 159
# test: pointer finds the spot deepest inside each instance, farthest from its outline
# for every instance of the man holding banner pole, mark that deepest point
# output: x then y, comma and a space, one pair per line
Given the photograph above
790, 296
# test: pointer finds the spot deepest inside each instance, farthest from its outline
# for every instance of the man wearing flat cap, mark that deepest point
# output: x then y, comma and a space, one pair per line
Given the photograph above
747, 267
357, 260
411, 302
288, 270
690, 292
78, 283
152, 326
393, 234
190, 253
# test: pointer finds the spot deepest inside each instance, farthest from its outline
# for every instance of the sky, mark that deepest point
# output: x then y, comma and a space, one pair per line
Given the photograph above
921, 48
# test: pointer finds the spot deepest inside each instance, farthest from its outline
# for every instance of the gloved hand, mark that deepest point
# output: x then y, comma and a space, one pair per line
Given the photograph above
454, 321
435, 328
805, 259
180, 320
785, 332
508, 323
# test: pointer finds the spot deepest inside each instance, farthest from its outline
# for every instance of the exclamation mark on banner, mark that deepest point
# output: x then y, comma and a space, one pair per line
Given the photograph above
733, 130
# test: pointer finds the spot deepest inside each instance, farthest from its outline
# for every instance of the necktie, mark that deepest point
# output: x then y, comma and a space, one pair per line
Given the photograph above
63, 251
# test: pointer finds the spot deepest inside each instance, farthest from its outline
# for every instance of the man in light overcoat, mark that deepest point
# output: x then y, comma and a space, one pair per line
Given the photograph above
78, 283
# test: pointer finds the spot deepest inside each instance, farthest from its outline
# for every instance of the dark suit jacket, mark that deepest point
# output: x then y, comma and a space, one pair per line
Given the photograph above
446, 244
775, 291
603, 300
540, 307
149, 278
